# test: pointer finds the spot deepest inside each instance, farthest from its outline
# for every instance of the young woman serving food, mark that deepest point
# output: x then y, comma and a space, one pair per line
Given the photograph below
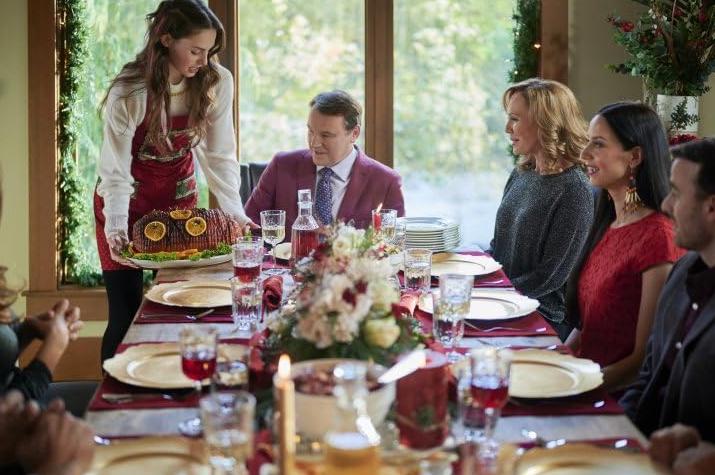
171, 105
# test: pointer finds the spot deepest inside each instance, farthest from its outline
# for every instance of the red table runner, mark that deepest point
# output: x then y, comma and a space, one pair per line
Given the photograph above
175, 314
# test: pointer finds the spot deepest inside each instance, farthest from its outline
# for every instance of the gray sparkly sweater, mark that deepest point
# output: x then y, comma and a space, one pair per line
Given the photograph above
541, 225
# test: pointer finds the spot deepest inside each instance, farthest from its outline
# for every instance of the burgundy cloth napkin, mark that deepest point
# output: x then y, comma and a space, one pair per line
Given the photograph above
272, 293
219, 315
530, 325
597, 401
184, 398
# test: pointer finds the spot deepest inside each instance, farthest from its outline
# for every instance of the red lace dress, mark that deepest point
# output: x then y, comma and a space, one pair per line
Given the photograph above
609, 288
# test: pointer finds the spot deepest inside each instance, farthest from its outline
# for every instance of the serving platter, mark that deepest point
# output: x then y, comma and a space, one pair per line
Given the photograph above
180, 263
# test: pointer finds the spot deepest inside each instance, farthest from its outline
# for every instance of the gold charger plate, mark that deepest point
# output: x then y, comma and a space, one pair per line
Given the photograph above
195, 294
583, 459
493, 304
158, 365
155, 455
451, 263
537, 373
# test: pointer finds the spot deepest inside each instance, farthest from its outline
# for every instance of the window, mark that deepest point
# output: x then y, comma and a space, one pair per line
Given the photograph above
291, 50
452, 59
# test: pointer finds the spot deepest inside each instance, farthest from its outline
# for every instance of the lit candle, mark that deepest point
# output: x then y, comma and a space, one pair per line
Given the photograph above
376, 218
285, 390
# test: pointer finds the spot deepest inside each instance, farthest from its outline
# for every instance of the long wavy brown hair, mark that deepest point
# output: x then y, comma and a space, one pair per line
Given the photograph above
562, 130
150, 69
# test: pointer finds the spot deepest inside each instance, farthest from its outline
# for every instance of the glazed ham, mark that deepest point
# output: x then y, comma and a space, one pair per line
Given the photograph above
179, 230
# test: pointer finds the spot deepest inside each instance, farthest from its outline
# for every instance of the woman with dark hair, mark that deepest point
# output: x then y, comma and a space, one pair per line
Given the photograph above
613, 290
547, 206
171, 105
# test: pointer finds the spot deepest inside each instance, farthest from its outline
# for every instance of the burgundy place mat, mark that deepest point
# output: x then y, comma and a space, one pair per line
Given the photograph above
219, 315
533, 324
597, 401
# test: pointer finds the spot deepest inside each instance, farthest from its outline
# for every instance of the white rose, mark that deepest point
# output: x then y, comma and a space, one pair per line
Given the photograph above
342, 246
382, 332
383, 294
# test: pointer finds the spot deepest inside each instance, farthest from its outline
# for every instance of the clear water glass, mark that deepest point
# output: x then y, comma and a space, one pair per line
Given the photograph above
246, 306
227, 418
447, 325
273, 230
399, 240
384, 221
418, 269
455, 299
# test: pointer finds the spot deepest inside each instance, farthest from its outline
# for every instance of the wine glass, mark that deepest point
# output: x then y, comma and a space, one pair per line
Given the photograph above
11, 285
273, 225
451, 306
228, 429
198, 347
490, 390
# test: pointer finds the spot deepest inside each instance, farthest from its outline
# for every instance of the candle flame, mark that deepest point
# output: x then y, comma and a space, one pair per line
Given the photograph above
379, 207
284, 367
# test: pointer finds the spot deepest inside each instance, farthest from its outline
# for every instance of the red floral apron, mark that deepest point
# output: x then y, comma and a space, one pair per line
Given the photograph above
161, 182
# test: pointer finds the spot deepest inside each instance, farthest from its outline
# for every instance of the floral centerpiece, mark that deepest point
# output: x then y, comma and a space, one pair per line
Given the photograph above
346, 305
672, 45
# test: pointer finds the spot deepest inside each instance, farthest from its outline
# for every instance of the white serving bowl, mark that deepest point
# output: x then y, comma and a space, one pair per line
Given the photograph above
314, 414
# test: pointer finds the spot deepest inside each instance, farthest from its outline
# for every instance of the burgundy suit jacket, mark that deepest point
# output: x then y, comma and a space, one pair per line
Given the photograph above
371, 183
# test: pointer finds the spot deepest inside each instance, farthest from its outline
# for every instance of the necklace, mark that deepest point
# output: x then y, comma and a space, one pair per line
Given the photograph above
177, 93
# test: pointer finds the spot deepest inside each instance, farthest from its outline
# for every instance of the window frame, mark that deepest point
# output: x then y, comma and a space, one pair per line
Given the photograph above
43, 95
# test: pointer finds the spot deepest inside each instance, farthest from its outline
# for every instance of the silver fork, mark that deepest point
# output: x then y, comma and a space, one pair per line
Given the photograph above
493, 329
167, 315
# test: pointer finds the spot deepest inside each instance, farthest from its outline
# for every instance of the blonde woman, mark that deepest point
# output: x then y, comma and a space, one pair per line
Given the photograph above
547, 207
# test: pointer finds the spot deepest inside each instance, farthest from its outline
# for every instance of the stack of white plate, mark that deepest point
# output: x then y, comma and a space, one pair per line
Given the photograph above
437, 234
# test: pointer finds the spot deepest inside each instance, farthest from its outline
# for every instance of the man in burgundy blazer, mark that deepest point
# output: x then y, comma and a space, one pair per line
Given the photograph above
333, 128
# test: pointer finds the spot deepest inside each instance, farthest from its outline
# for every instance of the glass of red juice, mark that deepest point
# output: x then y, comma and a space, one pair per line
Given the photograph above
490, 390
197, 346
247, 258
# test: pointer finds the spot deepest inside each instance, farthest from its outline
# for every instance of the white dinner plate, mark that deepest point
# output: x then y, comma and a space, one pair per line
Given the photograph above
464, 264
427, 224
283, 251
492, 304
193, 294
181, 263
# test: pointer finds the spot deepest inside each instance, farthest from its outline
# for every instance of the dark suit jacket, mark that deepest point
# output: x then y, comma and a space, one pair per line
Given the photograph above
371, 183
688, 394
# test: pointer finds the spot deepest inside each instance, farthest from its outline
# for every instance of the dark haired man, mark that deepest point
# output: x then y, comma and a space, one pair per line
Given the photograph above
346, 183
676, 383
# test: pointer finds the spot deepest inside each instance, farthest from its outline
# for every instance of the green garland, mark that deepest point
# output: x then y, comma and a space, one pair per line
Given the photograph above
73, 208
527, 25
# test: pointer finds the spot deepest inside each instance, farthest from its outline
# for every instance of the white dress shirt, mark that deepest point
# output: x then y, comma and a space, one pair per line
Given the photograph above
216, 154
339, 181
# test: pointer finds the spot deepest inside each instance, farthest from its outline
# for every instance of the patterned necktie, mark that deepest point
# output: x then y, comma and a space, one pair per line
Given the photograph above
324, 196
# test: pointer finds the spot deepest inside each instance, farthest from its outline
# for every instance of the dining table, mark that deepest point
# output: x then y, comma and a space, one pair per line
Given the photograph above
549, 421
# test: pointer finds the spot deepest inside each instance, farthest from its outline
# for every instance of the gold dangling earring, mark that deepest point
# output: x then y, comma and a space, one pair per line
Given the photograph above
633, 202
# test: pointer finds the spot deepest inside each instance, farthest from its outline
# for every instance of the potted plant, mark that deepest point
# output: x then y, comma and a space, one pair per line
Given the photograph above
672, 47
